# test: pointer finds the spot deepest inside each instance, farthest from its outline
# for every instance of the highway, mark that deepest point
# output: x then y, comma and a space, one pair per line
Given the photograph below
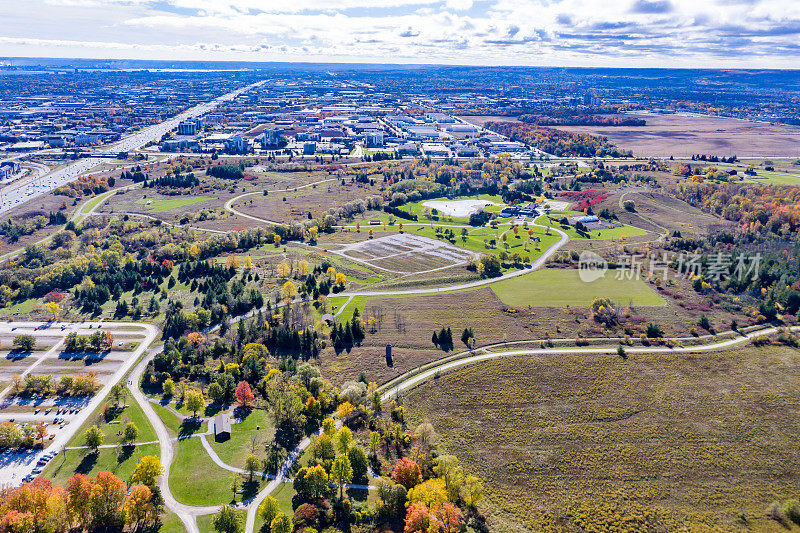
12, 197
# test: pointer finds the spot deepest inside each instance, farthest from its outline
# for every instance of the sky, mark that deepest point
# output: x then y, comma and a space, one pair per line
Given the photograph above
613, 33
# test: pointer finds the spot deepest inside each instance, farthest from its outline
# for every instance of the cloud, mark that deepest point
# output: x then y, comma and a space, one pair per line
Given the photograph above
615, 32
652, 6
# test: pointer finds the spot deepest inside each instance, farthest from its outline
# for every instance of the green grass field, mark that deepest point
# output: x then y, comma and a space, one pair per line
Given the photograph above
620, 232
235, 450
562, 287
65, 465
195, 480
773, 178
358, 302
170, 523
157, 205
204, 521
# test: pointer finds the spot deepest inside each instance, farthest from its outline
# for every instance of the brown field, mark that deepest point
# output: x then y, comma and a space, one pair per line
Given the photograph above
703, 442
683, 135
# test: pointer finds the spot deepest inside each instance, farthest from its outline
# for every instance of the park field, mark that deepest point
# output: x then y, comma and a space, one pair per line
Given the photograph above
563, 287
668, 442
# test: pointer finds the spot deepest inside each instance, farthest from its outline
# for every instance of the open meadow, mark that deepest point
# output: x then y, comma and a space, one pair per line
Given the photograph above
667, 441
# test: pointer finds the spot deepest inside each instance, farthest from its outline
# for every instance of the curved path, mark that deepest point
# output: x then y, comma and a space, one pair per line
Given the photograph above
414, 378
229, 203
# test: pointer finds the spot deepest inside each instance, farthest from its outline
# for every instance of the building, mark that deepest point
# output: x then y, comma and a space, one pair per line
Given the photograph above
222, 427
373, 139
273, 138
187, 127
8, 169
237, 145
309, 148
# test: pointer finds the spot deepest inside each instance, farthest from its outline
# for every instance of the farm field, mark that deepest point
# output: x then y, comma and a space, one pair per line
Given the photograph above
683, 135
674, 437
563, 287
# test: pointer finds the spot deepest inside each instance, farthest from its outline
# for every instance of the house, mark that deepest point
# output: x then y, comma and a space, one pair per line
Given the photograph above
222, 427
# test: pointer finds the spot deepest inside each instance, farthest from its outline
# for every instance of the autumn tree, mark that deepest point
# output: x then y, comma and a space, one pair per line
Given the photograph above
407, 473
195, 401
268, 509
130, 433
342, 472
93, 438
244, 394
139, 506
147, 470
281, 524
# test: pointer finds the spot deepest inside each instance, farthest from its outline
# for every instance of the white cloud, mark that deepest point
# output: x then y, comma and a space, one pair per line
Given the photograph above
578, 32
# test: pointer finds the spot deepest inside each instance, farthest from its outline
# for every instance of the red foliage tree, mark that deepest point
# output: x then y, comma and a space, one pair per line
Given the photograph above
418, 518
244, 394
407, 473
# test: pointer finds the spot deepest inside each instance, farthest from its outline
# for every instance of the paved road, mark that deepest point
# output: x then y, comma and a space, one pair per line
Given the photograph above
413, 378
16, 196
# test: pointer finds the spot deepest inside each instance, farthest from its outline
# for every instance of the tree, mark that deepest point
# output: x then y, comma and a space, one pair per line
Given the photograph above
342, 472
118, 393
24, 342
251, 464
359, 462
130, 433
41, 431
226, 520
268, 509
281, 524
418, 519
288, 290
139, 505
54, 309
344, 438
449, 471
407, 473
316, 480
244, 394
168, 387
106, 500
450, 517
147, 470
93, 438
216, 393
195, 401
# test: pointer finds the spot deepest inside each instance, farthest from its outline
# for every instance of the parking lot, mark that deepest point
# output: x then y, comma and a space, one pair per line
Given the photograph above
62, 414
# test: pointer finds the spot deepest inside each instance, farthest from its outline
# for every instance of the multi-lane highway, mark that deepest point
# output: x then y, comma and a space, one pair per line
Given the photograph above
16, 195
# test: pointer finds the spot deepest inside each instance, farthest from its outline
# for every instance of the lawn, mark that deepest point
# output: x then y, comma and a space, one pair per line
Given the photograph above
773, 178
235, 450
157, 205
695, 442
175, 425
562, 287
283, 494
170, 523
620, 232
204, 521
195, 480
64, 465
130, 413
358, 302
